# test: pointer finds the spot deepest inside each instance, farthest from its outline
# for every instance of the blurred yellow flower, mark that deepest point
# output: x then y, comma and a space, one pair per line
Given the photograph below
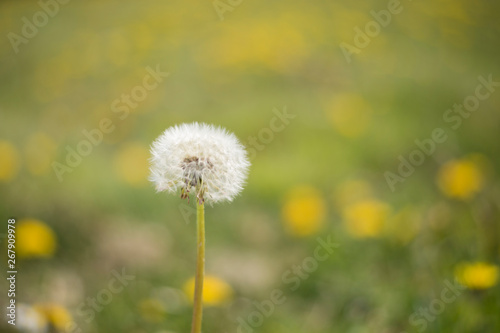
365, 218
131, 163
460, 179
477, 275
55, 314
152, 310
215, 291
304, 211
9, 163
39, 153
277, 43
349, 114
34, 239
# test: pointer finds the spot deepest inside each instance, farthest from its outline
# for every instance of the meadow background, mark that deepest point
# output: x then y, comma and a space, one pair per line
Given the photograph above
320, 175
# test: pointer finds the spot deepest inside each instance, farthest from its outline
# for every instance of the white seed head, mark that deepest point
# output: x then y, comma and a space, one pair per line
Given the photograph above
202, 157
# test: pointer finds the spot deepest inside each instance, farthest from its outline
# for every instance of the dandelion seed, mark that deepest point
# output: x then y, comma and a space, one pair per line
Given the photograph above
199, 156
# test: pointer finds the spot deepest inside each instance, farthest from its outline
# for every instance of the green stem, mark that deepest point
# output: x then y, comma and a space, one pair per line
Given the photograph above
200, 268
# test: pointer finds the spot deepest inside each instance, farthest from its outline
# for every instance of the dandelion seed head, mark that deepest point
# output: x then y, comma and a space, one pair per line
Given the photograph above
199, 157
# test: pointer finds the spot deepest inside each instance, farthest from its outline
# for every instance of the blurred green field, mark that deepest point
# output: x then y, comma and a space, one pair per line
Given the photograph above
414, 213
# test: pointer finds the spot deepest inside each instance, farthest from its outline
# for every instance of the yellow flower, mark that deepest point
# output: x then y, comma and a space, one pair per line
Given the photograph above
460, 179
9, 163
34, 239
39, 153
477, 275
365, 218
349, 114
262, 40
304, 211
215, 291
55, 314
152, 310
131, 163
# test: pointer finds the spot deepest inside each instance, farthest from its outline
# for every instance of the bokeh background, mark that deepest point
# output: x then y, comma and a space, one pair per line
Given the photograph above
323, 175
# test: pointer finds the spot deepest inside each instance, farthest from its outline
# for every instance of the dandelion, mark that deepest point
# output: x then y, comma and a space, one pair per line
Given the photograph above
304, 211
477, 275
215, 291
461, 179
56, 315
202, 157
204, 160
366, 218
35, 239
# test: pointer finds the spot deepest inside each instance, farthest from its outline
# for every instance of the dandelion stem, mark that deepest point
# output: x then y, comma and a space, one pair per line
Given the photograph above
200, 268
